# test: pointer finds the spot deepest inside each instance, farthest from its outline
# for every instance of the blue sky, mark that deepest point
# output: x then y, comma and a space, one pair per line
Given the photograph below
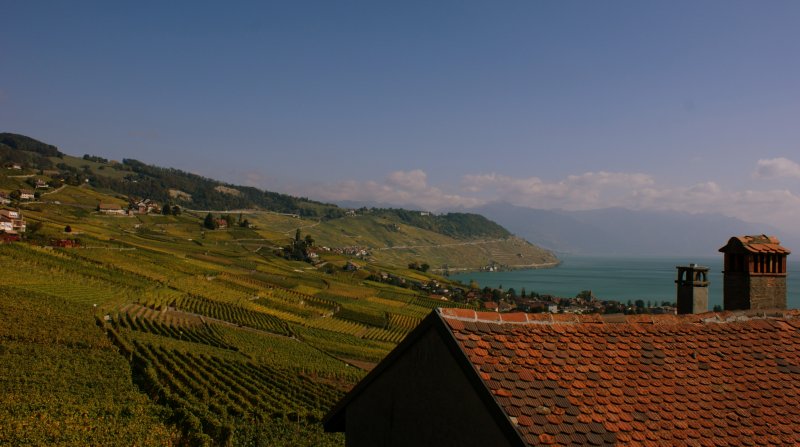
689, 105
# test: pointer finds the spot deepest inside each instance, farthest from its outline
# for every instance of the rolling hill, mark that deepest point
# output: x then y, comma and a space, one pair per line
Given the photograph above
455, 241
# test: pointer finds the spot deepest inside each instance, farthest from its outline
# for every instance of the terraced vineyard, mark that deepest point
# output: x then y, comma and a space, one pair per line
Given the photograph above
194, 337
208, 334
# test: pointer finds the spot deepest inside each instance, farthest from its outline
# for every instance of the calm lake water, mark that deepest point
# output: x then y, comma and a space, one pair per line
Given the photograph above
621, 279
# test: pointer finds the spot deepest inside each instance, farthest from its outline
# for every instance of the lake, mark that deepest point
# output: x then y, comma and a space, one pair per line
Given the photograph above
616, 278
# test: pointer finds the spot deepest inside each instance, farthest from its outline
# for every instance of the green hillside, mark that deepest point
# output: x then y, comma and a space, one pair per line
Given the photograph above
454, 241
154, 330
129, 317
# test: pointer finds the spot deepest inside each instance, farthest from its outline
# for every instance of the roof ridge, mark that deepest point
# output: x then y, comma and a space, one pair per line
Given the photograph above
524, 318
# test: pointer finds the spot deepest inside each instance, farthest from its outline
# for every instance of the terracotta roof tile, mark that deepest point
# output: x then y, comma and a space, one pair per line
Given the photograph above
756, 244
710, 379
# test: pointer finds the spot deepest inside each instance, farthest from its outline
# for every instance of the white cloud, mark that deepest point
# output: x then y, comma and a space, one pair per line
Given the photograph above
416, 180
585, 191
776, 168
402, 188
590, 190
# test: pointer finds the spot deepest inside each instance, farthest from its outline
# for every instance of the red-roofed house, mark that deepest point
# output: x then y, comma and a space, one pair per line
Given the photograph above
466, 378
490, 305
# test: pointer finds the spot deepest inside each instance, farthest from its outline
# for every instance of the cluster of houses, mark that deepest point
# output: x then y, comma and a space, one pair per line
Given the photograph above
145, 206
351, 251
22, 195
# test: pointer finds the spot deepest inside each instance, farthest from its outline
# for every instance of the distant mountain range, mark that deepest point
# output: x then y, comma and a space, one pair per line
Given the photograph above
625, 232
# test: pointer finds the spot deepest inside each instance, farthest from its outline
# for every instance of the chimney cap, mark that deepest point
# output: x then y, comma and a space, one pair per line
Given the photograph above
692, 266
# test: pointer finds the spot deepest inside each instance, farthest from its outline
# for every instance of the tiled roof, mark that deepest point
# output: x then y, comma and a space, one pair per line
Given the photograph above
758, 244
709, 379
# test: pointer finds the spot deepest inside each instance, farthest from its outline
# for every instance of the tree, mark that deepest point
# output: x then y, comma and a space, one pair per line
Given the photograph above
522, 293
165, 210
176, 210
497, 294
309, 241
473, 285
34, 227
424, 267
68, 229
209, 222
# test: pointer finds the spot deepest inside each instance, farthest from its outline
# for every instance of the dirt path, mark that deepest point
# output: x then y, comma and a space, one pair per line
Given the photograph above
55, 190
291, 232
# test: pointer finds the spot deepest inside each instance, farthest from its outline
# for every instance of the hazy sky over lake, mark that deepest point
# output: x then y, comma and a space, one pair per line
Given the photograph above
689, 105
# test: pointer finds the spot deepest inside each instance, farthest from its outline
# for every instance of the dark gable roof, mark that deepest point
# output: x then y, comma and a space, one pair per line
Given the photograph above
334, 421
755, 244
708, 379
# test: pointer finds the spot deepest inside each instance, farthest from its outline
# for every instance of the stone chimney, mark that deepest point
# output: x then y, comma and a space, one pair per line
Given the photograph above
692, 288
754, 273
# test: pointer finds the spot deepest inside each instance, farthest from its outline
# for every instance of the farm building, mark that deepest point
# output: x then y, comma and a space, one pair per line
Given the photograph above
6, 224
11, 221
489, 379
110, 208
26, 194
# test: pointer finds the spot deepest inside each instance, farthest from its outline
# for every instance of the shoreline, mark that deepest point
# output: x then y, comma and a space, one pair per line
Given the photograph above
508, 268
